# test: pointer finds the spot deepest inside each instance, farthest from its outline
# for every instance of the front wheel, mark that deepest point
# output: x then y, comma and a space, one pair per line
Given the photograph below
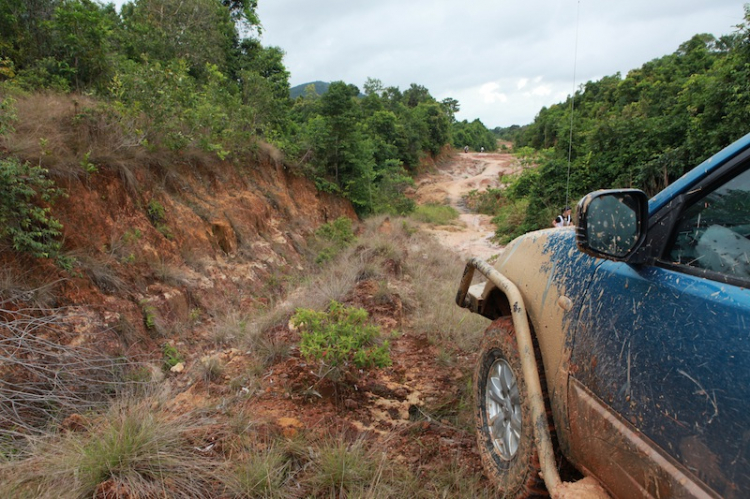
503, 416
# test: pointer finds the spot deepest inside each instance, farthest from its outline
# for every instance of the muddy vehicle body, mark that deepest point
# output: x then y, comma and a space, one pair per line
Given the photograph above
623, 343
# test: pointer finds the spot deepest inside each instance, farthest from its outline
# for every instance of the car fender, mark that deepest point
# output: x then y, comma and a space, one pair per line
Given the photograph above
552, 277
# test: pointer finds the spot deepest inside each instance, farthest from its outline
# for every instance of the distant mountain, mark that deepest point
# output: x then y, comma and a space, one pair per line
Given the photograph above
321, 87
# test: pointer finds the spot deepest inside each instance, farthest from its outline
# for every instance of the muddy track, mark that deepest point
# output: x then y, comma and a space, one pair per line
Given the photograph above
471, 235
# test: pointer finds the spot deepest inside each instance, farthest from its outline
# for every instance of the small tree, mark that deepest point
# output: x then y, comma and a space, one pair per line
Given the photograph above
340, 339
28, 226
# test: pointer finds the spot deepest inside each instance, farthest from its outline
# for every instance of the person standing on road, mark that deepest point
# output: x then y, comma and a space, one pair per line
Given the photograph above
563, 219
466, 149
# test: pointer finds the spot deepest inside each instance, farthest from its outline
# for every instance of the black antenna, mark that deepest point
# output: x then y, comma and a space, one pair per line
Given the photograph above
572, 107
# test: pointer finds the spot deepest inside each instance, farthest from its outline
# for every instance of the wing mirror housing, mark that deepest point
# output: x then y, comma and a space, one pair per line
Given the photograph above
612, 224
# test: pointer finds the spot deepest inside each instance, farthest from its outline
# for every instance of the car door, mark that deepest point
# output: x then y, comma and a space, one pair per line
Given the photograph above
663, 350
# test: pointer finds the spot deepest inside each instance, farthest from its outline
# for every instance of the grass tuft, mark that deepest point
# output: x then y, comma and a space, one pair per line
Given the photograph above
133, 448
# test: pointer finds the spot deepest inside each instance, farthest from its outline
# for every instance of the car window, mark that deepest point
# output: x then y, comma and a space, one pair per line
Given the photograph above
714, 232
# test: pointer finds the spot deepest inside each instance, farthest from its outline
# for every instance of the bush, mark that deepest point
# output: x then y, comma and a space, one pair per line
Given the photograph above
134, 450
338, 232
488, 202
510, 221
435, 214
28, 226
334, 237
340, 338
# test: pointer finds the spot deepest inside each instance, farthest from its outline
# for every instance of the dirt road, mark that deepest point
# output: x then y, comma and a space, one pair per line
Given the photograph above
471, 235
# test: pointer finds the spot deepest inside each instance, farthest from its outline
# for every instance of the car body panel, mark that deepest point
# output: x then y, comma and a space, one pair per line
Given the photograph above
670, 353
621, 457
552, 297
647, 364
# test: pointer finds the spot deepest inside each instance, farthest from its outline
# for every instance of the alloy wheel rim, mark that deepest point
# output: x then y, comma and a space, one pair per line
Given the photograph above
503, 409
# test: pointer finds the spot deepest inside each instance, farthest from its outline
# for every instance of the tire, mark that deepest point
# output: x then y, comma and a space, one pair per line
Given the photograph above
507, 447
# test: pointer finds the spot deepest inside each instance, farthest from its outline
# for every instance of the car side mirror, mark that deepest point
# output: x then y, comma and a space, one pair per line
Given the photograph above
612, 224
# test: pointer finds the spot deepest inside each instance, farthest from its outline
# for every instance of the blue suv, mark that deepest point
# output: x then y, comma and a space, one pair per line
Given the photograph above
623, 344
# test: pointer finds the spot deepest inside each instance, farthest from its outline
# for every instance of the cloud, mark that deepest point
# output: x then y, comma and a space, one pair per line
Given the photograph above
503, 60
491, 93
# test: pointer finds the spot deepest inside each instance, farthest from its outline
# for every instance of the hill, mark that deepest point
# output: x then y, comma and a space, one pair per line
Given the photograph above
321, 87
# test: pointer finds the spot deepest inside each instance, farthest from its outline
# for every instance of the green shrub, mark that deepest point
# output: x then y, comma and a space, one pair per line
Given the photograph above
510, 221
340, 338
338, 232
435, 214
156, 211
171, 356
334, 237
29, 227
488, 202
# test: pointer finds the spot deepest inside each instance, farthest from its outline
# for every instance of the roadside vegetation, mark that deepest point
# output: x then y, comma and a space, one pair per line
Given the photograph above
180, 80
153, 91
133, 439
642, 130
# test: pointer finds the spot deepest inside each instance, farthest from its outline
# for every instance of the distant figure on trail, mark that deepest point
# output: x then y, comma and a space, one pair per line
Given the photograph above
481, 149
563, 219
466, 149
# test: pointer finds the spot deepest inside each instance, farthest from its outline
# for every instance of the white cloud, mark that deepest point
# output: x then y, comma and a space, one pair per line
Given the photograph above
455, 49
541, 91
491, 94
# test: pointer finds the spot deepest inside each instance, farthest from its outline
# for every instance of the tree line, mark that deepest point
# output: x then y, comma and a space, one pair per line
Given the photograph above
194, 74
643, 131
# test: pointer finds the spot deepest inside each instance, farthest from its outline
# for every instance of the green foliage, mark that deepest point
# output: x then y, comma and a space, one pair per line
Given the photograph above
86, 164
81, 33
334, 237
474, 134
181, 77
149, 316
338, 232
367, 147
29, 227
156, 213
171, 356
511, 221
340, 338
487, 202
642, 131
7, 114
435, 214
200, 33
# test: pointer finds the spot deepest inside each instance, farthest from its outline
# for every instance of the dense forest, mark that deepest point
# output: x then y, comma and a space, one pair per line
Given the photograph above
178, 76
193, 75
643, 130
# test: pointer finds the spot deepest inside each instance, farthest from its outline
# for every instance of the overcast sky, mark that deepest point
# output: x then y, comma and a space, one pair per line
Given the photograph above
502, 60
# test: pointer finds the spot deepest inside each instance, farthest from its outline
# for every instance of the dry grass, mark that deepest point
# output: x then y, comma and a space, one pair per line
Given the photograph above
101, 271
170, 273
61, 132
42, 380
18, 287
134, 450
405, 263
138, 447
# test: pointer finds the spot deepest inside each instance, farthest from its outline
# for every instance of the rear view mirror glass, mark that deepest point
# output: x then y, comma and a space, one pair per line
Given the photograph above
613, 223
